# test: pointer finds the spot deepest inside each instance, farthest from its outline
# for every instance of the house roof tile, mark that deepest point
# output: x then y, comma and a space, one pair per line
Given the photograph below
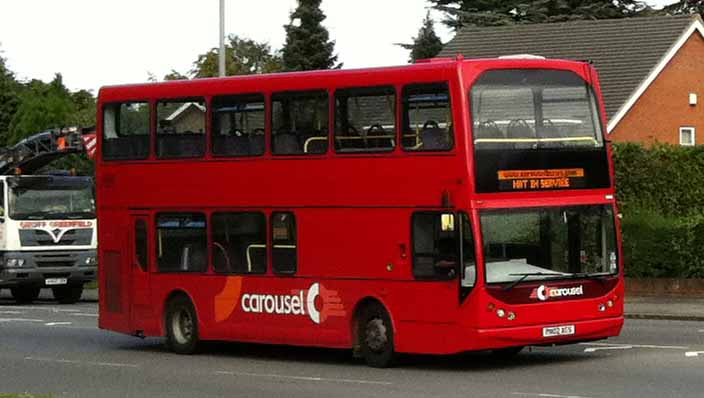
624, 51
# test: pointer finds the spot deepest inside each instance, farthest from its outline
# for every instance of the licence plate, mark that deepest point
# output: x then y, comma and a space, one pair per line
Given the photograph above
553, 331
55, 281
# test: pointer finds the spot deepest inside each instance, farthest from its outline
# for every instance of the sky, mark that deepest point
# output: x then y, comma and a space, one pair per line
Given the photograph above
99, 42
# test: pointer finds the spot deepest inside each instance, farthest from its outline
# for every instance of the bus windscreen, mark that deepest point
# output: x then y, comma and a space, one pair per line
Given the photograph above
548, 243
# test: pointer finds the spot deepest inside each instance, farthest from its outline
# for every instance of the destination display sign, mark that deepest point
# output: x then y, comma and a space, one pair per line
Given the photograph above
521, 180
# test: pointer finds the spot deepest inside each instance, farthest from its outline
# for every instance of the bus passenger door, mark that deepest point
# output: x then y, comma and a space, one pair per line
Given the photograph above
139, 266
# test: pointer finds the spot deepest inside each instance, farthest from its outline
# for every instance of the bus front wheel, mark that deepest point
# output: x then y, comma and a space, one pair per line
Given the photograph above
25, 295
181, 326
376, 336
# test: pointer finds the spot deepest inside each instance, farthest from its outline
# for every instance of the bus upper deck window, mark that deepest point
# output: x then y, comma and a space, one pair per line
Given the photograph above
238, 125
533, 109
126, 131
180, 128
427, 118
299, 123
365, 119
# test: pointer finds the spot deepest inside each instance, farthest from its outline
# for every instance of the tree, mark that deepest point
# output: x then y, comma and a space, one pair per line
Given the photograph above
43, 106
507, 12
686, 7
175, 75
427, 44
242, 57
308, 45
9, 100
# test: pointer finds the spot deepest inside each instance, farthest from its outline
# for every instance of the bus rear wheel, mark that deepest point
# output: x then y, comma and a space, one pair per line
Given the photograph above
181, 326
67, 294
376, 337
25, 294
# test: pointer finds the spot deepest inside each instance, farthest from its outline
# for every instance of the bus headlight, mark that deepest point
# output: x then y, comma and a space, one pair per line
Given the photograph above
90, 260
14, 262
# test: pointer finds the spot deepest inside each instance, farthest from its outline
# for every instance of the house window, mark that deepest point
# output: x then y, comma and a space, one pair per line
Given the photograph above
687, 136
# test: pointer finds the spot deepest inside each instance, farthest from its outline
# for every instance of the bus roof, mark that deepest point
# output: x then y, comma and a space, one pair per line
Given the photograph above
432, 65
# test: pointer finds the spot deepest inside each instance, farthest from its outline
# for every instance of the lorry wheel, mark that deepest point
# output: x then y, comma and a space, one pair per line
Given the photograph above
25, 295
68, 294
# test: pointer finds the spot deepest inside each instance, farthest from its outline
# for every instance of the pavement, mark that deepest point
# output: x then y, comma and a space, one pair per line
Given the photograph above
637, 307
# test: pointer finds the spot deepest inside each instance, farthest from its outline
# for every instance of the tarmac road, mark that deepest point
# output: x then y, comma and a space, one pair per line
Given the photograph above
57, 351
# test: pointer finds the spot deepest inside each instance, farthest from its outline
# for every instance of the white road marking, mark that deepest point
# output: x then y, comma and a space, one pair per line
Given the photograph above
11, 312
662, 347
20, 320
693, 353
529, 394
85, 314
56, 323
620, 347
75, 362
700, 330
52, 309
302, 378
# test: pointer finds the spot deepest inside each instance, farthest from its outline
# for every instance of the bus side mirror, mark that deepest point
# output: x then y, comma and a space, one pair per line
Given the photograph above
447, 222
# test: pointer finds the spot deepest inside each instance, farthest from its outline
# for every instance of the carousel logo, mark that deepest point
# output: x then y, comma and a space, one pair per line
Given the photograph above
543, 292
317, 302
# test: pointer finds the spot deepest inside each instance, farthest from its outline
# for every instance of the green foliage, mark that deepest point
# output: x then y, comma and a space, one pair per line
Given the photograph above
307, 44
665, 177
42, 106
499, 12
9, 100
427, 44
175, 75
655, 245
661, 195
242, 57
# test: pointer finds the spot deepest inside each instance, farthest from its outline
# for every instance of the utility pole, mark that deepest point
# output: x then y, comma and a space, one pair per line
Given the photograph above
221, 58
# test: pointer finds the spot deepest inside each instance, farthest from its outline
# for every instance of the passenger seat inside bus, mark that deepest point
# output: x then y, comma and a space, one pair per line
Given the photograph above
488, 130
286, 144
435, 139
193, 258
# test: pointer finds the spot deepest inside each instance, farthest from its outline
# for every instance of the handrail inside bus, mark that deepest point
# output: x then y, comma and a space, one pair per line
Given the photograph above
518, 140
262, 246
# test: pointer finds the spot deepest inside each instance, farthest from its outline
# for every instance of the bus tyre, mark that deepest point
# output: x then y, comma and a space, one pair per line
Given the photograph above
181, 326
25, 295
506, 353
68, 294
376, 337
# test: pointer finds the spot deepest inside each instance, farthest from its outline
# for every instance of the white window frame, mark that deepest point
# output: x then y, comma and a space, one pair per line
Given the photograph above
694, 135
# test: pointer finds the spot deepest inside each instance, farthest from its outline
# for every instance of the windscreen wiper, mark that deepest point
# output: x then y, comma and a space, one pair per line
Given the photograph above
524, 275
584, 275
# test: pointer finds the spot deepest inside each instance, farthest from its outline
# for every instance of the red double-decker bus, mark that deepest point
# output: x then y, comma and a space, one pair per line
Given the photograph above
441, 207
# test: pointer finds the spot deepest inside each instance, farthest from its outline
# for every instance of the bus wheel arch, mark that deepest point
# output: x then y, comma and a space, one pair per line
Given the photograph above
181, 326
373, 333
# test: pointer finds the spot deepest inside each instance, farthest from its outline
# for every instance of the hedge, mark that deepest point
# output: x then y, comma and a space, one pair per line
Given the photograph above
657, 246
661, 196
666, 178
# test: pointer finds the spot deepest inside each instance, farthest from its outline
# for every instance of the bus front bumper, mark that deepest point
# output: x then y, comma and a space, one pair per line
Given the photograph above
535, 335
47, 268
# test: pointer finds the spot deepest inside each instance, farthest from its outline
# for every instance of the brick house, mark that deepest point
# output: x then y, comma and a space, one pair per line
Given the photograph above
651, 69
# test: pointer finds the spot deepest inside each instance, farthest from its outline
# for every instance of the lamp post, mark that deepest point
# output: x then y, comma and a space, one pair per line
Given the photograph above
221, 54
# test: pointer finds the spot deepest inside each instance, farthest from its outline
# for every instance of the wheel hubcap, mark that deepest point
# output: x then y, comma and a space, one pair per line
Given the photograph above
376, 336
182, 326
